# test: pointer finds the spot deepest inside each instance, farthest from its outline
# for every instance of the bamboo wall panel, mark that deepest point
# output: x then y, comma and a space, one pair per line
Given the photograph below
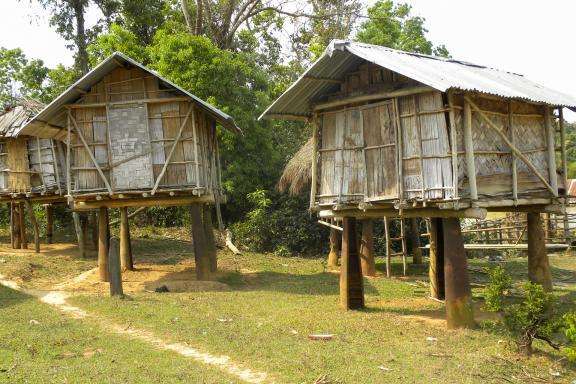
4, 174
19, 176
379, 125
328, 157
129, 137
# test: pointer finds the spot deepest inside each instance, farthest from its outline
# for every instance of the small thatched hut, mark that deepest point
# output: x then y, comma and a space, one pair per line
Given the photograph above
135, 140
31, 171
408, 135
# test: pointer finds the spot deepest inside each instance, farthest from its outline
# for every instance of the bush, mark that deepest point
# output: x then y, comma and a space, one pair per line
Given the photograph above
570, 332
500, 283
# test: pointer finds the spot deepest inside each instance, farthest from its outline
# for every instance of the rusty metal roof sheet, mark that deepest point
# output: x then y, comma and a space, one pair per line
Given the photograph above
14, 118
437, 72
51, 121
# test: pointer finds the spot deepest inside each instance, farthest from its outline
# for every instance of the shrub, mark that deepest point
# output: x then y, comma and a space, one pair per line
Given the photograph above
570, 332
500, 283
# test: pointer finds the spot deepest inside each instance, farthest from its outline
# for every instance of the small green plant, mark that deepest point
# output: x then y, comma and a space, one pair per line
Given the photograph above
570, 332
282, 251
500, 284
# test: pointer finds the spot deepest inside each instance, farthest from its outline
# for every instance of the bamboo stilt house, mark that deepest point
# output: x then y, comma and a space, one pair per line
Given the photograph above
30, 167
398, 132
132, 134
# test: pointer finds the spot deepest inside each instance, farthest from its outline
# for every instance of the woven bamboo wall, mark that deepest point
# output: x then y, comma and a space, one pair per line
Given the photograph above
18, 165
133, 135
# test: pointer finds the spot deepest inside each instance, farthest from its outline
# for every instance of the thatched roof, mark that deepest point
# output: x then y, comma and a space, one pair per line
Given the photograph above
17, 115
298, 172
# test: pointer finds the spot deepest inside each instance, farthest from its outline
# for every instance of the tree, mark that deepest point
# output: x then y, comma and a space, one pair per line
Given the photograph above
391, 25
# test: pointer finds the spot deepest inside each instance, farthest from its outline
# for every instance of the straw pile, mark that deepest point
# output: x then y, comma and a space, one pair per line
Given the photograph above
298, 172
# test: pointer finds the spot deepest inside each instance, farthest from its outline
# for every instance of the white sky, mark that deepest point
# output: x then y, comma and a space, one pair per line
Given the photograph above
523, 36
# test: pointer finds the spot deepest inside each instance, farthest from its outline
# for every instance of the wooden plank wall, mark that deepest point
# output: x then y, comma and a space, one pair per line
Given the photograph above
142, 135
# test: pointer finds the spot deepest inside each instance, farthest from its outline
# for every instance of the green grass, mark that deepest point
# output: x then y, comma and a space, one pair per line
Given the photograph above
63, 350
275, 302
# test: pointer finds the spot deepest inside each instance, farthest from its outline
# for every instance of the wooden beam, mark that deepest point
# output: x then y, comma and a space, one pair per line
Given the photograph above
375, 96
168, 201
514, 149
367, 261
114, 269
210, 240
34, 223
199, 239
551, 145
436, 262
149, 101
176, 140
474, 213
469, 151
126, 262
538, 264
459, 310
351, 280
91, 155
103, 245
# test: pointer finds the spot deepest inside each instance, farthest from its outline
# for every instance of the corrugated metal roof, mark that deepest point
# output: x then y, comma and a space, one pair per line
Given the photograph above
437, 72
51, 121
14, 118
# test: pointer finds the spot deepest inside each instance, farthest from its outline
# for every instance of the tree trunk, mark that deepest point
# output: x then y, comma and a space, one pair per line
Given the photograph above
81, 39
335, 238
103, 244
34, 223
459, 310
436, 267
367, 249
538, 265
414, 239
210, 240
126, 261
199, 9
49, 224
199, 239
187, 15
351, 280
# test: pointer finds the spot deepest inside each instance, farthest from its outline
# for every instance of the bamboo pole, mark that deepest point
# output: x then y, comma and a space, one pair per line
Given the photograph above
459, 310
351, 281
469, 150
368, 263
210, 240
22, 224
550, 141
103, 244
538, 265
126, 262
34, 223
388, 250
514, 160
199, 239
49, 224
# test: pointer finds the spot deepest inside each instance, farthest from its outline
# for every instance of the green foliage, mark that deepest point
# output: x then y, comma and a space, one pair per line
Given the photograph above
117, 39
500, 283
570, 332
392, 25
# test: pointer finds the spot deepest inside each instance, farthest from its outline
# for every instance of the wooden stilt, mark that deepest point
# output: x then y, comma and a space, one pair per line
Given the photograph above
94, 226
16, 225
199, 239
49, 224
388, 248
22, 223
367, 249
12, 237
34, 223
459, 310
351, 280
114, 269
210, 240
414, 239
126, 261
538, 265
403, 246
79, 234
436, 267
335, 237
103, 244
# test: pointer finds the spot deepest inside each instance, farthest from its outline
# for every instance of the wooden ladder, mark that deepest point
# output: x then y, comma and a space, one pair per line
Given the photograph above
389, 240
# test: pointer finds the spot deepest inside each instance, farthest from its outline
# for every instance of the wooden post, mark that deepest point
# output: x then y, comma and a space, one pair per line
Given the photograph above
334, 248
550, 141
563, 149
103, 244
351, 281
79, 234
16, 225
459, 310
469, 151
49, 224
34, 223
199, 239
126, 261
22, 224
94, 226
538, 266
436, 267
314, 171
367, 249
210, 240
388, 248
114, 269
12, 232
414, 239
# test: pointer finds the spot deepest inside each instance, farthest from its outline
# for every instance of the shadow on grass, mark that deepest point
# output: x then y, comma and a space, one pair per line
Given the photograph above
9, 297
